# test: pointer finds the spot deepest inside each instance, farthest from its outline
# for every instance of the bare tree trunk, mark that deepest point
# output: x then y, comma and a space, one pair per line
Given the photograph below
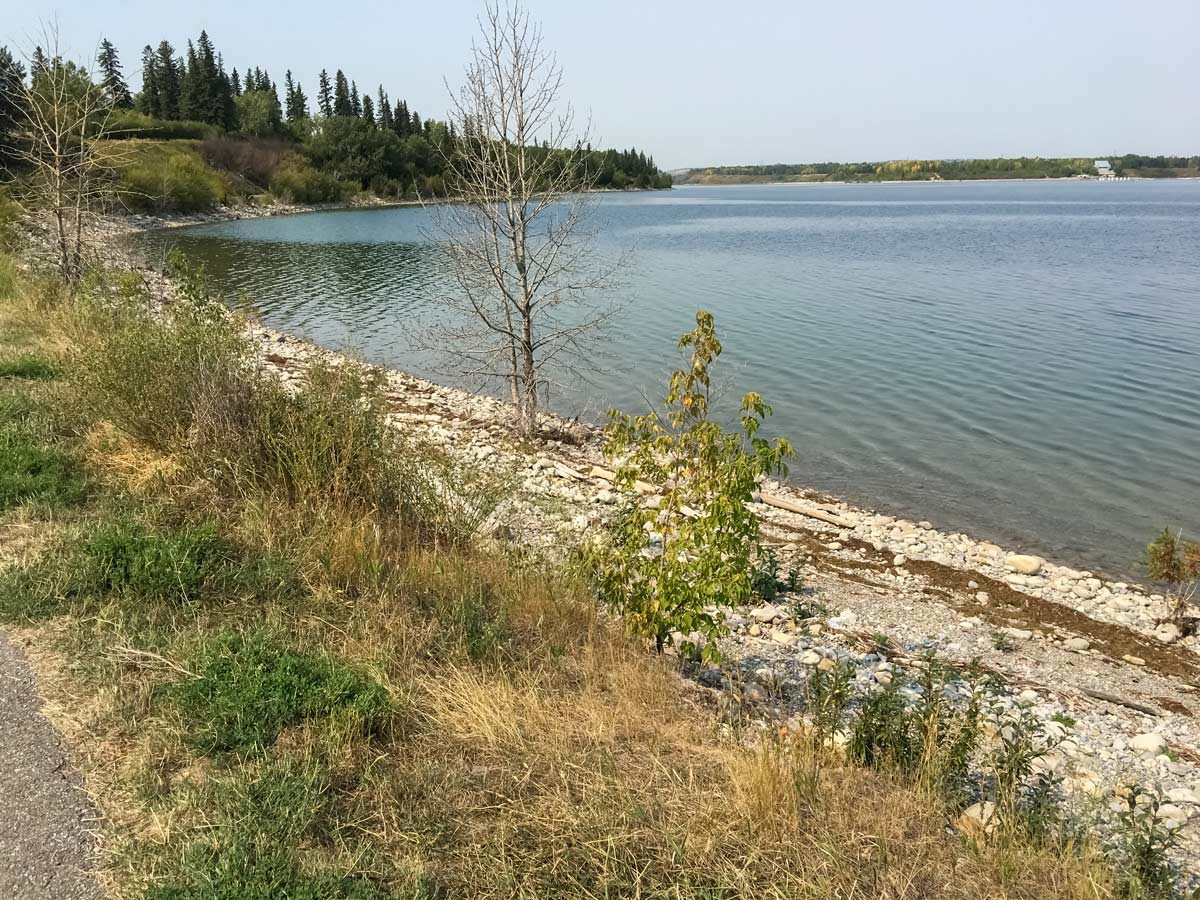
522, 257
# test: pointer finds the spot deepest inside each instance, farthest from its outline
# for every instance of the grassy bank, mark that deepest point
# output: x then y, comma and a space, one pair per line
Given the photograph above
290, 670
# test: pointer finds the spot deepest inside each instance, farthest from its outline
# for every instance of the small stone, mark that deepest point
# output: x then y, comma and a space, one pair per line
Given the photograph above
1151, 743
826, 664
1025, 565
1133, 660
883, 676
973, 585
899, 559
782, 637
810, 658
983, 597
1077, 644
755, 630
978, 819
1020, 634
766, 613
1167, 632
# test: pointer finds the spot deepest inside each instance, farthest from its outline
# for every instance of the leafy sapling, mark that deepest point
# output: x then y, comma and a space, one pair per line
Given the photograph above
666, 567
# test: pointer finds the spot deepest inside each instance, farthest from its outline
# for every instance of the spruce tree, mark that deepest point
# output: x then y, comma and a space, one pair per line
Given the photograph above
38, 64
150, 99
355, 101
191, 91
385, 110
402, 120
368, 108
114, 82
414, 123
324, 95
169, 78
235, 82
12, 110
342, 104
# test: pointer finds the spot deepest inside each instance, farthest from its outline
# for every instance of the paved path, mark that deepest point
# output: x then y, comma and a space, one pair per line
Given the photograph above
45, 845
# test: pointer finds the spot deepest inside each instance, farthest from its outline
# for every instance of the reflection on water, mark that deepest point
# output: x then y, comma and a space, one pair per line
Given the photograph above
1020, 361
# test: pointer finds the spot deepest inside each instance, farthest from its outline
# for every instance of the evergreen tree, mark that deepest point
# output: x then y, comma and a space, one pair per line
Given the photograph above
385, 110
401, 124
355, 101
297, 103
38, 64
150, 99
169, 81
235, 81
114, 82
324, 95
191, 89
226, 99
12, 111
342, 104
368, 109
414, 123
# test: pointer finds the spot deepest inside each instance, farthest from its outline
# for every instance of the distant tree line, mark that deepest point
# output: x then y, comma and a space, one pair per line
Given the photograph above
933, 169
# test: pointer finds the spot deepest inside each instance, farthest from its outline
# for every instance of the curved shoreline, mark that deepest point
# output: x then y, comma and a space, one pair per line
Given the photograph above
1119, 601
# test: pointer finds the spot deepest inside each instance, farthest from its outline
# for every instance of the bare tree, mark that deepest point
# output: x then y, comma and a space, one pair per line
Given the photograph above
60, 147
523, 258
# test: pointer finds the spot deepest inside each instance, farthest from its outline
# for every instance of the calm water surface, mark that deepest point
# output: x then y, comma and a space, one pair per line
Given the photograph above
1020, 361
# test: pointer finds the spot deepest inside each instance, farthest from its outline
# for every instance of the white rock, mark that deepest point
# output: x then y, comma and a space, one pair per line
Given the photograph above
810, 658
766, 613
1167, 632
1026, 565
899, 559
983, 597
1150, 743
1182, 795
1076, 643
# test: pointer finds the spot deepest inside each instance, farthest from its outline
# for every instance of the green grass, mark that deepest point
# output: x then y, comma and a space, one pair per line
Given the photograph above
142, 567
249, 687
250, 849
31, 470
29, 366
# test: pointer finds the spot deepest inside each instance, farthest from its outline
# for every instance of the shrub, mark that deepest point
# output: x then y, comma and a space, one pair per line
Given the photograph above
1143, 844
1171, 559
250, 686
168, 178
145, 374
707, 536
299, 183
255, 160
130, 124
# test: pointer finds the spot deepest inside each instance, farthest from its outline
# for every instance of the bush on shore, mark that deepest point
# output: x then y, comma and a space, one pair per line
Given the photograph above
131, 124
299, 183
167, 177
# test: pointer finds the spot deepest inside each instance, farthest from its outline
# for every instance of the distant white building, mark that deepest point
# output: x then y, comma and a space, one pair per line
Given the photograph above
1103, 169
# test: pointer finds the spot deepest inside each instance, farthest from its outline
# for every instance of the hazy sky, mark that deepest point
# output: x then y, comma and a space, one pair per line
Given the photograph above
705, 83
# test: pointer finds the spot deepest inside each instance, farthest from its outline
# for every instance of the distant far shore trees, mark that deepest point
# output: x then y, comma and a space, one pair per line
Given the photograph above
947, 169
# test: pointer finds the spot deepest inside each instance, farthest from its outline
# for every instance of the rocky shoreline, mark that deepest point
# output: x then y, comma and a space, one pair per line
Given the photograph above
1115, 690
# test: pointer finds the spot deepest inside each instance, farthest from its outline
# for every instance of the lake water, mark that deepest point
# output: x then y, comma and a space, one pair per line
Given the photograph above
1020, 361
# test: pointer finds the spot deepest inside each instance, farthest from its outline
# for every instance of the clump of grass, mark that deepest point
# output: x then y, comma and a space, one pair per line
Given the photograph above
255, 824
249, 687
32, 469
142, 567
30, 366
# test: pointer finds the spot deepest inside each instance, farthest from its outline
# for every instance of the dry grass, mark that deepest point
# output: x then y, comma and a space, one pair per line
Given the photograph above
539, 753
